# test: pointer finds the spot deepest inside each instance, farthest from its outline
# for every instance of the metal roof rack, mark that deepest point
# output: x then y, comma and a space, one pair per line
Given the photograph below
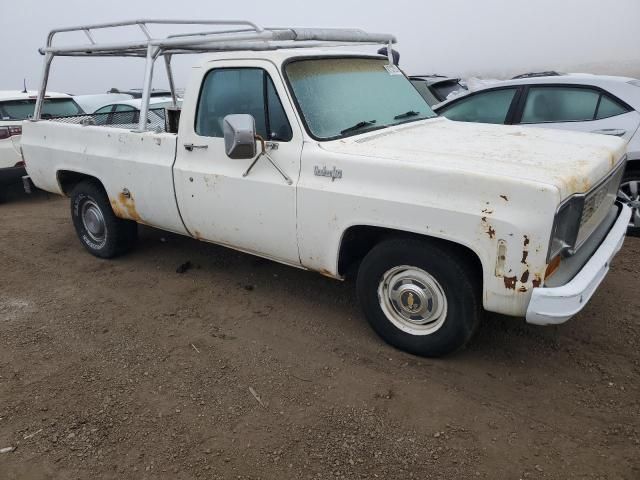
232, 35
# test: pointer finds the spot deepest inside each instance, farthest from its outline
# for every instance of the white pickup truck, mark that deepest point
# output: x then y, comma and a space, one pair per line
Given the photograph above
332, 162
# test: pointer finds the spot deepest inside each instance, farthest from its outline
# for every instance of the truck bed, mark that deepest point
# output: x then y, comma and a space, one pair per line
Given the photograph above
136, 169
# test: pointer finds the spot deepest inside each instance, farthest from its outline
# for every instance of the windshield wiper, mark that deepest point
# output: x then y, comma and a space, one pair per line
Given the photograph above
410, 113
358, 126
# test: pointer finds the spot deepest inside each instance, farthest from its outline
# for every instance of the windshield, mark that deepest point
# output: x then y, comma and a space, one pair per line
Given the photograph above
53, 107
339, 97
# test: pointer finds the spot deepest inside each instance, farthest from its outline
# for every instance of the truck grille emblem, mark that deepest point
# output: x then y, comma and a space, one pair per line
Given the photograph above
325, 172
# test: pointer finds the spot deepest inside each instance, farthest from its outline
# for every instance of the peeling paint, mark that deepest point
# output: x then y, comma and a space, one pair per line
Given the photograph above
510, 282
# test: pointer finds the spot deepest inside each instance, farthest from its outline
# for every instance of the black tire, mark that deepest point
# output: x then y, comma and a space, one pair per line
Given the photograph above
632, 175
454, 275
119, 235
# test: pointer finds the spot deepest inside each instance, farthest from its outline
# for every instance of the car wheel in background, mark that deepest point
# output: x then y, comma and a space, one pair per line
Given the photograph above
630, 194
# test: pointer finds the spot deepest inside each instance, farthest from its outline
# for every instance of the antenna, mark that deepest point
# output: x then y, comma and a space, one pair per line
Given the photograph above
24, 82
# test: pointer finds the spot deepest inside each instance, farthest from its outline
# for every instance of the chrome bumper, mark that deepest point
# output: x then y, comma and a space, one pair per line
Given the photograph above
553, 306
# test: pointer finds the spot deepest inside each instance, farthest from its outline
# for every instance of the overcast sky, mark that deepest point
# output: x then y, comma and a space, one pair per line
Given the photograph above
461, 37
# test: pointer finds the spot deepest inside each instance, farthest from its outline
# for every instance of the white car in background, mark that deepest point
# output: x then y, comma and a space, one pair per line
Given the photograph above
579, 101
126, 114
16, 106
93, 102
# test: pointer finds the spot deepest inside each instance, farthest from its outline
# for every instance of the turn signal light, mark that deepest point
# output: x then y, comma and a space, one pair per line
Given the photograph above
553, 266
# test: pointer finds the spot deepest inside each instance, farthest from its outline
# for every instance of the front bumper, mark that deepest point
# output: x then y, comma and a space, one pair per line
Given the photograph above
553, 306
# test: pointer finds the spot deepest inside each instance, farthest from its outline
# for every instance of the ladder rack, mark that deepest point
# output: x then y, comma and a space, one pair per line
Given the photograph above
231, 35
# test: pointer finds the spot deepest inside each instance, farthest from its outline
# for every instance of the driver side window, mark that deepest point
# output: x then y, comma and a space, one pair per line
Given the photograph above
241, 90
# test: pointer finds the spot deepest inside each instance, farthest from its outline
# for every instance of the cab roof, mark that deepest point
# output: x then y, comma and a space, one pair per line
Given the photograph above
281, 56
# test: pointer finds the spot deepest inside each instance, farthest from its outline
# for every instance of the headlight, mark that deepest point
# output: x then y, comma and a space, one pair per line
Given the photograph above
566, 227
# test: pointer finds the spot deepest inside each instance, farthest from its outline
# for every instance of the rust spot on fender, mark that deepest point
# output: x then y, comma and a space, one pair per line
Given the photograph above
525, 255
522, 289
526, 241
510, 282
504, 197
125, 207
525, 277
197, 235
491, 232
537, 281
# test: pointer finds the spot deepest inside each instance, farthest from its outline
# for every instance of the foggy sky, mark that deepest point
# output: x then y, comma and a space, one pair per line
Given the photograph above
490, 38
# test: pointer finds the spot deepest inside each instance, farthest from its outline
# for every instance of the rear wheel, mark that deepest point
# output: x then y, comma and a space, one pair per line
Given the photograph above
419, 297
630, 194
100, 231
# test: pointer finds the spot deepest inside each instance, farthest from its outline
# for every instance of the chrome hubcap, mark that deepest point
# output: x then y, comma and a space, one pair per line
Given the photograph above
93, 221
412, 300
629, 193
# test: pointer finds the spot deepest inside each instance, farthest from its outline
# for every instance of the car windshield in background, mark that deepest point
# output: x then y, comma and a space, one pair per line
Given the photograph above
339, 97
423, 88
444, 89
53, 107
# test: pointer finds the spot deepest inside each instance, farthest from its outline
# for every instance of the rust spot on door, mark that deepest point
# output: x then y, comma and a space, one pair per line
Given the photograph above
525, 255
504, 197
525, 277
510, 282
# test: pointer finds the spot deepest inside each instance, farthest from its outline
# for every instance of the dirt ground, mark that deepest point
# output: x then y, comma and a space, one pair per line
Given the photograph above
240, 368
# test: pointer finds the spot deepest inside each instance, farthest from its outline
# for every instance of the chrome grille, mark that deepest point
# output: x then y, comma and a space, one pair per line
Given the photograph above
592, 202
598, 203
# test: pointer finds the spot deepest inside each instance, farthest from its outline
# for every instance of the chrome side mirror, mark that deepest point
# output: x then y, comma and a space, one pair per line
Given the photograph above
240, 136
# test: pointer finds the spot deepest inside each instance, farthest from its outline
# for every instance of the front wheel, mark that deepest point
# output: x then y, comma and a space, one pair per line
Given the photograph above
629, 194
100, 231
419, 296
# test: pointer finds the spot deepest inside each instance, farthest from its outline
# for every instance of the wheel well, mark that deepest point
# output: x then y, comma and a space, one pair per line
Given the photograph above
633, 164
357, 241
68, 180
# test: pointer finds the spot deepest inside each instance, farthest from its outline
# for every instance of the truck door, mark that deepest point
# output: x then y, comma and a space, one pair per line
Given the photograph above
253, 213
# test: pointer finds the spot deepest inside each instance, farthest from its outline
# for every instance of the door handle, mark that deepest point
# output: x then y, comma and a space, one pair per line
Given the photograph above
190, 147
615, 132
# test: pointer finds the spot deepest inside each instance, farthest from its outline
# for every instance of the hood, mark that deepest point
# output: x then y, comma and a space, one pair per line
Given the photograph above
571, 161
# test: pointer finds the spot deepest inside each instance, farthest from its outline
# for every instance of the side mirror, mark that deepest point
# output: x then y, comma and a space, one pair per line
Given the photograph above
240, 136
